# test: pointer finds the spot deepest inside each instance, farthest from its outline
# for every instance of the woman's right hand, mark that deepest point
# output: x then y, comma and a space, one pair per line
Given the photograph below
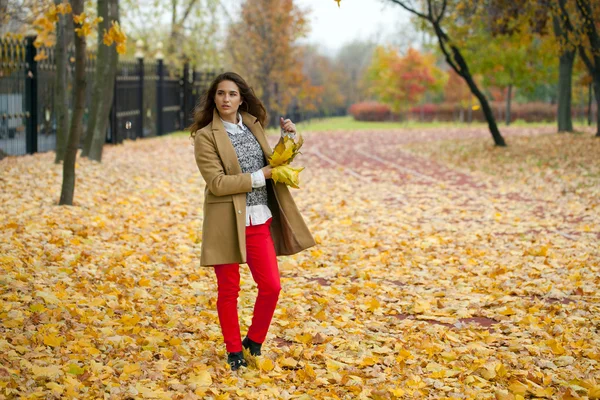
267, 171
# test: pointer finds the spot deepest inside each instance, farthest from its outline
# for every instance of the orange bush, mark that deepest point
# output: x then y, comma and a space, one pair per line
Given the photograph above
370, 111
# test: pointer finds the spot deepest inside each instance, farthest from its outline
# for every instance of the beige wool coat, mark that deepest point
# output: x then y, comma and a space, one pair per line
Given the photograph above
224, 224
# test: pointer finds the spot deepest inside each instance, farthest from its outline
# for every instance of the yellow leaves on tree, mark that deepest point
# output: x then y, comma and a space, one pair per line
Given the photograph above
45, 25
116, 35
283, 154
263, 47
85, 26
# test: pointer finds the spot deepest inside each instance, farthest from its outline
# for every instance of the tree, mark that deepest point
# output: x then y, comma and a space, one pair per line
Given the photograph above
522, 58
326, 80
591, 54
262, 49
61, 100
433, 14
354, 58
401, 81
566, 58
106, 69
190, 33
579, 20
81, 27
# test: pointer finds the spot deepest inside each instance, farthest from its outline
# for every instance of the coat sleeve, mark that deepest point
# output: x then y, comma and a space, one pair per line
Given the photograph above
209, 164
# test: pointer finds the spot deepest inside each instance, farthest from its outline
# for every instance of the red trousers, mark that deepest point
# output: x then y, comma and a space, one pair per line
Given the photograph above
261, 258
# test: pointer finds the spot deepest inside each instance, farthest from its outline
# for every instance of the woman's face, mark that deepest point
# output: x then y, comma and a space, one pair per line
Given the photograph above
228, 99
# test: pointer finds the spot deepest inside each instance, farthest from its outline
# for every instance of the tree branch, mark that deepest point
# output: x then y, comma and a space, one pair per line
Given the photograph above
188, 10
590, 29
438, 20
409, 9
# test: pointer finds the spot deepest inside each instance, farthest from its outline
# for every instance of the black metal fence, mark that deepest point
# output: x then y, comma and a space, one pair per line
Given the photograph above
150, 99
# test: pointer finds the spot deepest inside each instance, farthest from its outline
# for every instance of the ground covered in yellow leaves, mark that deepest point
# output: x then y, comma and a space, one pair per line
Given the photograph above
445, 268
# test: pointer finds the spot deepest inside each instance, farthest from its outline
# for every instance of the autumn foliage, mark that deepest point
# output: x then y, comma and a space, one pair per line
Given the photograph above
402, 80
261, 46
370, 111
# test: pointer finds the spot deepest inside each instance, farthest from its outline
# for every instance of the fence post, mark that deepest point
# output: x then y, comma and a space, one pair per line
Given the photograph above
140, 57
186, 95
160, 71
31, 97
113, 116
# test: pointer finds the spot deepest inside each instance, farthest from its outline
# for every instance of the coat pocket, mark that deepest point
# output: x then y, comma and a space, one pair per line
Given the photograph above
211, 198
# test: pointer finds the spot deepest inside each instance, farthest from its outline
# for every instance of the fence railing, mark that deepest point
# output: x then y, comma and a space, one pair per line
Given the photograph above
150, 99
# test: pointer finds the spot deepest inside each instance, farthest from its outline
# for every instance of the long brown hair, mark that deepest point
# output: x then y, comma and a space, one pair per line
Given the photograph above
203, 113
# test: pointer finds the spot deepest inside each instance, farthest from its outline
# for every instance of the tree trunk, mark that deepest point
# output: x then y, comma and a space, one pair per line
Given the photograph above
61, 100
592, 61
267, 102
597, 93
565, 89
487, 111
68, 184
565, 77
459, 65
103, 91
508, 99
590, 104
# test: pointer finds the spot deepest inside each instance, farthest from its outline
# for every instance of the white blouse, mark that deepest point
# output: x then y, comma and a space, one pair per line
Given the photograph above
259, 214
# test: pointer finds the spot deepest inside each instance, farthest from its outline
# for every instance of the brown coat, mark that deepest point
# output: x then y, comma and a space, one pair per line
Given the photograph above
224, 225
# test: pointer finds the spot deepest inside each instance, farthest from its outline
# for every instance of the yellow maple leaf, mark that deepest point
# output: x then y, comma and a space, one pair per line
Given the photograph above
55, 387
518, 388
53, 340
78, 19
266, 365
49, 372
131, 369
305, 338
373, 304
421, 306
556, 347
287, 174
289, 362
202, 378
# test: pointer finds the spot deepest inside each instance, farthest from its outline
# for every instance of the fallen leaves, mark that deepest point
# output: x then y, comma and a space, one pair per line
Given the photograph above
419, 288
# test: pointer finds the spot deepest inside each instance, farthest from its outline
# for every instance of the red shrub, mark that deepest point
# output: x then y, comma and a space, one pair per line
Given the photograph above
370, 111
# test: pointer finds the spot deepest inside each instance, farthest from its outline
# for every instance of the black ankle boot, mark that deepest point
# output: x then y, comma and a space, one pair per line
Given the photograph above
252, 346
236, 360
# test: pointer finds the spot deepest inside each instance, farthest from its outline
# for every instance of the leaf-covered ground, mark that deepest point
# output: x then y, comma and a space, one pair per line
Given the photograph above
445, 268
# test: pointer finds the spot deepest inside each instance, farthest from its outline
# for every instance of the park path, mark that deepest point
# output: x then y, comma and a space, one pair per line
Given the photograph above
451, 202
379, 156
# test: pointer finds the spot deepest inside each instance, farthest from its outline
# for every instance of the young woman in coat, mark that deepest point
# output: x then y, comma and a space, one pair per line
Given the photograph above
248, 218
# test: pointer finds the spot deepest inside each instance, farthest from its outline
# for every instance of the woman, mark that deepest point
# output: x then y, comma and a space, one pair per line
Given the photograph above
247, 217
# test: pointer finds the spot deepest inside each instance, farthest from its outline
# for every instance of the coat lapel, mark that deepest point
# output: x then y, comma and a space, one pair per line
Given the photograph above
225, 147
256, 128
226, 150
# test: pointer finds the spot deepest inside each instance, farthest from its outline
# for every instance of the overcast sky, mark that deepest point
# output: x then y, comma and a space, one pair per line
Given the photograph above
333, 26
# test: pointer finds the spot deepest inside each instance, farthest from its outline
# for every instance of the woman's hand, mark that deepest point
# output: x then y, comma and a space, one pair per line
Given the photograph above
267, 171
287, 125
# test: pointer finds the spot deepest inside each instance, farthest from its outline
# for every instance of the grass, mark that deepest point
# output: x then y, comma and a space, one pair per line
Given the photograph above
348, 123
569, 161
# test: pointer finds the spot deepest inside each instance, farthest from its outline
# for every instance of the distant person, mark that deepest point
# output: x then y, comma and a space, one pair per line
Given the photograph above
248, 218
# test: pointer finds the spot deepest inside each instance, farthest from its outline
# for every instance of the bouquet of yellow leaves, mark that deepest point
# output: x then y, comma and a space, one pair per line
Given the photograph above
283, 154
